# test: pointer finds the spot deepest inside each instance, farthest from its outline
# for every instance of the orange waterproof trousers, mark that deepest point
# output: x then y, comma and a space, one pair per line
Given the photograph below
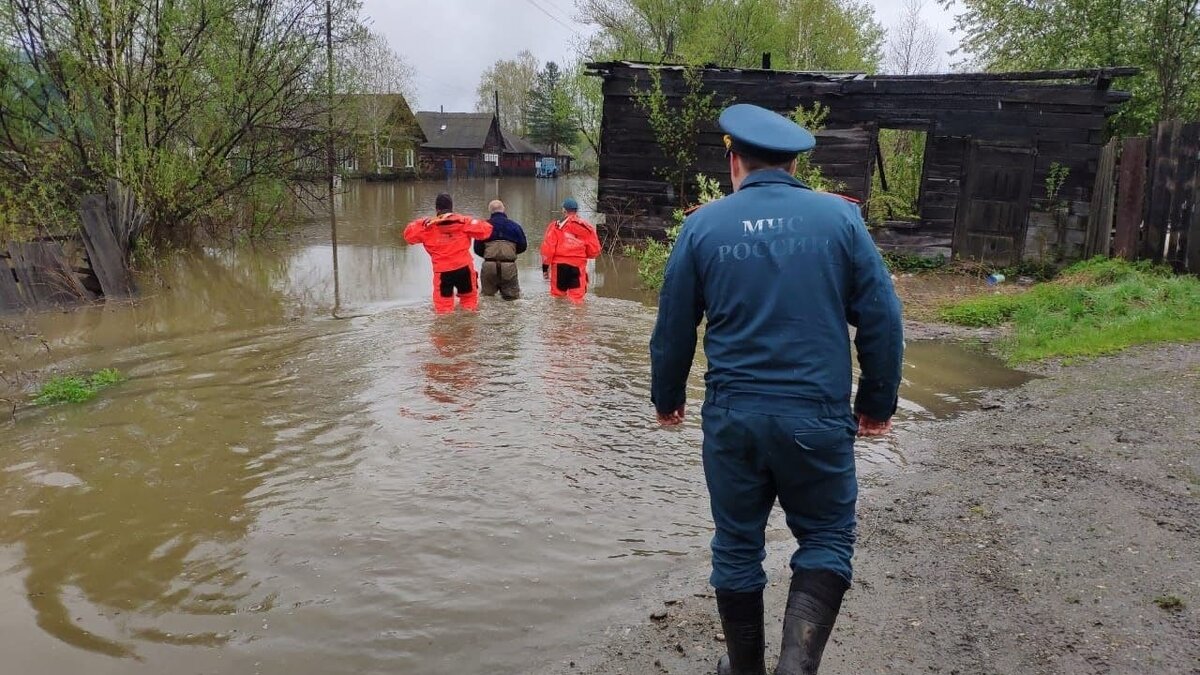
569, 281
463, 281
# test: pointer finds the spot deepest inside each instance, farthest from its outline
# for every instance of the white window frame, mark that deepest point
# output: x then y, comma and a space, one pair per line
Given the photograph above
491, 157
387, 157
409, 158
350, 163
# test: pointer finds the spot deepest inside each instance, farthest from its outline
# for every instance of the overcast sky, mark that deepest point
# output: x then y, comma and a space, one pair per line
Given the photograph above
450, 42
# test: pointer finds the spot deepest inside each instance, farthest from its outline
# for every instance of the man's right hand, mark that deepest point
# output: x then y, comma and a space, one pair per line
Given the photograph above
673, 418
870, 427
545, 272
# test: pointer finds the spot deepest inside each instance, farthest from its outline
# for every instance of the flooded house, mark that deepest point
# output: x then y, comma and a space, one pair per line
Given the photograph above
386, 138
991, 143
525, 158
459, 144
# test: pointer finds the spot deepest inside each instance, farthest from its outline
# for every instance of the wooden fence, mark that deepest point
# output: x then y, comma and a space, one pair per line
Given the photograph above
54, 271
1144, 206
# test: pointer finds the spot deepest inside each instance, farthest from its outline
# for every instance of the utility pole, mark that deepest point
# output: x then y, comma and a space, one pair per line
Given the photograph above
118, 111
329, 153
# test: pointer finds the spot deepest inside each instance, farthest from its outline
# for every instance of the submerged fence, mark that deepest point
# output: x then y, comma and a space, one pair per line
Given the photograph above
1144, 205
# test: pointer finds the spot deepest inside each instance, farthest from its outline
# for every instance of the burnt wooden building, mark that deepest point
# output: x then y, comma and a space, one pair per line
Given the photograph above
990, 142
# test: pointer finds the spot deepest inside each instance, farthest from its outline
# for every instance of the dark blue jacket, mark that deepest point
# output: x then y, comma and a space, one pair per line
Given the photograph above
504, 228
779, 270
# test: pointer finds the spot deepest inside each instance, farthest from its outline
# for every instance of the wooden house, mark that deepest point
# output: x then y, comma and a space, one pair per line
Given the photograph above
386, 138
521, 157
990, 143
460, 144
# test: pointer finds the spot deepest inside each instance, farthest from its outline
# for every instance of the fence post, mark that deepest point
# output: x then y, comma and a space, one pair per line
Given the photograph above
1186, 156
1161, 191
1100, 218
1131, 197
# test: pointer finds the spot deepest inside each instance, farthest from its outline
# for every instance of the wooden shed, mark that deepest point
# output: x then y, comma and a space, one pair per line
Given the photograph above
990, 141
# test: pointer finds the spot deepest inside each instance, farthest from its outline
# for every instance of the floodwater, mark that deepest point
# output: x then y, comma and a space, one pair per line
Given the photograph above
277, 491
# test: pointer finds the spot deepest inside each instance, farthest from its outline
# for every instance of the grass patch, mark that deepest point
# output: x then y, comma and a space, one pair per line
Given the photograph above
897, 261
1170, 603
76, 388
1094, 307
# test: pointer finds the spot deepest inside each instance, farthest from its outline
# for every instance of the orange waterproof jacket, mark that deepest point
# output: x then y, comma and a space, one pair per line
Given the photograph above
571, 240
447, 238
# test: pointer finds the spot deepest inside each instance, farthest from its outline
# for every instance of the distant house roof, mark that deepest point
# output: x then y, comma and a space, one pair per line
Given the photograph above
517, 145
455, 131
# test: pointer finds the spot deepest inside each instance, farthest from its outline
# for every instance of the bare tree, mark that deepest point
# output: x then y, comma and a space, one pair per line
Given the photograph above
377, 78
912, 43
512, 79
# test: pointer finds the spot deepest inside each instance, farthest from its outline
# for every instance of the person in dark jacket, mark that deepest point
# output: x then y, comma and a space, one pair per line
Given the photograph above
499, 253
778, 270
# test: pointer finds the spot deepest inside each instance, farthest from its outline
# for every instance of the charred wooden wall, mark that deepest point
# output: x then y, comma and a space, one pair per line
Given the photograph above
1062, 121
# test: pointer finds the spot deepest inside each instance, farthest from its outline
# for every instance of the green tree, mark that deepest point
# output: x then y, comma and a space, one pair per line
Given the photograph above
800, 34
587, 94
200, 106
512, 79
676, 125
1160, 36
551, 110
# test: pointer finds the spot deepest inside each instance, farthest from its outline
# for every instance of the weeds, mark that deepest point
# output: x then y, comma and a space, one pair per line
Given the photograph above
76, 388
1095, 307
1170, 603
897, 261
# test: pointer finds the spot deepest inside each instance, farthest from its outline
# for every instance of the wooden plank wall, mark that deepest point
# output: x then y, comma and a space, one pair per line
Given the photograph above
1064, 123
1156, 184
1100, 219
1131, 196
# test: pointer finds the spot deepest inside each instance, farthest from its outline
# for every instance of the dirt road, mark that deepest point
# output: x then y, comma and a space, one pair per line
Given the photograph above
1055, 531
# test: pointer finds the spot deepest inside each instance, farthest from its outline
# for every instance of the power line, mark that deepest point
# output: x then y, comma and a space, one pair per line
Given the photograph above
553, 18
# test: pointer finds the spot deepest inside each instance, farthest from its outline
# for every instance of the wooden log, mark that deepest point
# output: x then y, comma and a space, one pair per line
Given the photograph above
1100, 217
1131, 197
103, 249
10, 293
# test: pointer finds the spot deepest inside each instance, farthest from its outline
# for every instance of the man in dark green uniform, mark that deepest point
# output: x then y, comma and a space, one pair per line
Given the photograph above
778, 270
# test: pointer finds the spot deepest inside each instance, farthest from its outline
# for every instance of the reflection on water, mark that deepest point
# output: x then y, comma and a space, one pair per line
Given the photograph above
275, 491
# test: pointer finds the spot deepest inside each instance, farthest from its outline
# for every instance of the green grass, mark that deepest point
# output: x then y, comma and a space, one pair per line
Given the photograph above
897, 261
1095, 307
76, 388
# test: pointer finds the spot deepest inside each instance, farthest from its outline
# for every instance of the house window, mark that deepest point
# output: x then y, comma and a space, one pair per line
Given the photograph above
387, 157
409, 158
349, 161
491, 157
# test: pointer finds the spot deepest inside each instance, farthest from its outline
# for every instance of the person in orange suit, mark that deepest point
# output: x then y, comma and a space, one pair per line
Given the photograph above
568, 245
447, 239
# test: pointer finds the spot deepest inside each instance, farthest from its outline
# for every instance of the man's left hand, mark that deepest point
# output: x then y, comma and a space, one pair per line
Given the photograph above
673, 418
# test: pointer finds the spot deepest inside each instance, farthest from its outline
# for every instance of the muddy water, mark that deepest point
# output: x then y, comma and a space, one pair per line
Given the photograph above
277, 491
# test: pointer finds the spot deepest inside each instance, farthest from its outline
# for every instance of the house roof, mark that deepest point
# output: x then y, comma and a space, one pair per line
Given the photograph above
514, 144
517, 145
455, 131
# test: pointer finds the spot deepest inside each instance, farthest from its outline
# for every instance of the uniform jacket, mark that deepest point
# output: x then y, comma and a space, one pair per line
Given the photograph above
571, 241
779, 270
447, 238
504, 228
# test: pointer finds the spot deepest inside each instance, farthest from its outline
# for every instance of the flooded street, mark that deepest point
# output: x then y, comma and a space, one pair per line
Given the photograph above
274, 490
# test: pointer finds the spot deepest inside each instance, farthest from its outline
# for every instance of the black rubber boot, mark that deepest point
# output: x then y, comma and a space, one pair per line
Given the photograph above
742, 621
814, 599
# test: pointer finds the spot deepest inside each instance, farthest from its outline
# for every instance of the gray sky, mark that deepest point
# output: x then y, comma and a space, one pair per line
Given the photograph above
450, 42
